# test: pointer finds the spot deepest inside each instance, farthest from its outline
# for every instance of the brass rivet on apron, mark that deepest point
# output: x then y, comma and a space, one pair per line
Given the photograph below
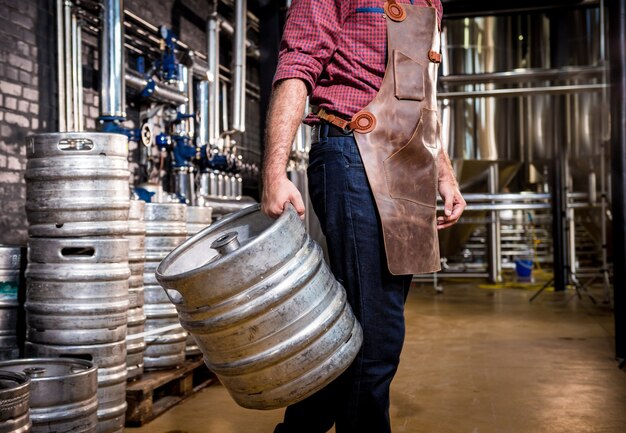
363, 122
394, 11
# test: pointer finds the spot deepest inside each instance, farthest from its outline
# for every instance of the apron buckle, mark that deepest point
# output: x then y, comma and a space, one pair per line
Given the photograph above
434, 56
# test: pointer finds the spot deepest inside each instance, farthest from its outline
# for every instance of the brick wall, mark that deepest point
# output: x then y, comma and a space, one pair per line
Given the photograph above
26, 101
28, 98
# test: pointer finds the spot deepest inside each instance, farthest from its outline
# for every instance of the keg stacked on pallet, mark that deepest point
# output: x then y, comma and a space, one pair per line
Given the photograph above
9, 284
165, 338
62, 393
77, 201
198, 218
14, 398
135, 343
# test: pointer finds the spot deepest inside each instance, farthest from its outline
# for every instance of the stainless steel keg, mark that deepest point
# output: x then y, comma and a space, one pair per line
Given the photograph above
63, 393
264, 308
136, 344
9, 284
14, 399
165, 229
77, 184
77, 290
110, 359
198, 218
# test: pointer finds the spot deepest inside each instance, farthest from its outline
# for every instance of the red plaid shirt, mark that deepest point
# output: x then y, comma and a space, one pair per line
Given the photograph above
339, 49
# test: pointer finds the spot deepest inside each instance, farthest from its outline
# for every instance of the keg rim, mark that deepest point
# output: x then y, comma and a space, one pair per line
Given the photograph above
21, 379
91, 368
174, 255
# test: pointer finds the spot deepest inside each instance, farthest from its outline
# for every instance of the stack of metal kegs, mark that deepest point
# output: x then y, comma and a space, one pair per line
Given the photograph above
77, 276
198, 218
135, 344
9, 285
164, 336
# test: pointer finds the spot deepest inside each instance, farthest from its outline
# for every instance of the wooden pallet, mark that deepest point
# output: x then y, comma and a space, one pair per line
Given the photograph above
157, 391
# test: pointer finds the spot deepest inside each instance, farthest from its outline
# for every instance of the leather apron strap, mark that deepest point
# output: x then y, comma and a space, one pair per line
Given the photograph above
399, 153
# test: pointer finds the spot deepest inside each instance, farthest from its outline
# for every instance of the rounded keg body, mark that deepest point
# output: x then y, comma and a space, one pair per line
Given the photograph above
77, 184
165, 230
14, 402
135, 347
9, 284
63, 393
77, 290
264, 308
111, 377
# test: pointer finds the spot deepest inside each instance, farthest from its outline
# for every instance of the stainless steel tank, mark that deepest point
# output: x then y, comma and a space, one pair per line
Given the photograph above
63, 393
135, 344
264, 308
77, 184
9, 284
77, 290
165, 229
110, 359
14, 399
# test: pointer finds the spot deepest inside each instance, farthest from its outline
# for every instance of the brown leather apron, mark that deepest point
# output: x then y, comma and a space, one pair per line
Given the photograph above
400, 152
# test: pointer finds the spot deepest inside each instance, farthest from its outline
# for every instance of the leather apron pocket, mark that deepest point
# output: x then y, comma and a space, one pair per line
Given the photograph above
408, 77
411, 172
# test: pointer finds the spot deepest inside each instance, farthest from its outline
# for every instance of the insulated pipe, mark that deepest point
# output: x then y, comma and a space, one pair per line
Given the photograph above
239, 68
61, 66
161, 92
202, 108
213, 76
112, 62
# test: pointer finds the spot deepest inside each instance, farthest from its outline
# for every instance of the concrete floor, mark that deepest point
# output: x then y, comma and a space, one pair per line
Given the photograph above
475, 361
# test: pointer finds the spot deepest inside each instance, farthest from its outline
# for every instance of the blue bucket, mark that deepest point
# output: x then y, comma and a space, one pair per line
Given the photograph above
524, 268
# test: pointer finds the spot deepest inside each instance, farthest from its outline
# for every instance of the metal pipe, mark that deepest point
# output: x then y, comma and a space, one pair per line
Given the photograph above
202, 108
183, 127
493, 232
79, 76
551, 90
213, 77
251, 49
69, 85
239, 68
112, 60
61, 66
162, 92
520, 75
76, 86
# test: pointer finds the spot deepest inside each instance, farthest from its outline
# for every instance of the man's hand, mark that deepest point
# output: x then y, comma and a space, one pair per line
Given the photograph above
453, 203
277, 194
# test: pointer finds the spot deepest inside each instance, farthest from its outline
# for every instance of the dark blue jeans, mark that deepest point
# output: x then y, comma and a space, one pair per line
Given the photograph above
358, 401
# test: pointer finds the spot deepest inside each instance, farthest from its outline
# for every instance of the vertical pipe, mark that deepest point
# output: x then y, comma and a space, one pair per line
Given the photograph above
213, 49
494, 233
202, 108
76, 87
69, 85
182, 127
617, 37
112, 62
79, 77
239, 68
61, 65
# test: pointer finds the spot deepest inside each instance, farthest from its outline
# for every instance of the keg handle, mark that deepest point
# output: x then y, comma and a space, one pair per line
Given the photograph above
227, 243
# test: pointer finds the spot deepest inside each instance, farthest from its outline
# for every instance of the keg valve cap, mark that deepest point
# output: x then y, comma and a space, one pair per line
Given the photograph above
227, 243
35, 371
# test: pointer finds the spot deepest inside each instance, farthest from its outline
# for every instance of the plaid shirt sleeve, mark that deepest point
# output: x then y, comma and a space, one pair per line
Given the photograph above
310, 38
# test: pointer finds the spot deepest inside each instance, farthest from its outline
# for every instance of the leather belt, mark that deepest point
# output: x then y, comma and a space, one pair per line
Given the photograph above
323, 130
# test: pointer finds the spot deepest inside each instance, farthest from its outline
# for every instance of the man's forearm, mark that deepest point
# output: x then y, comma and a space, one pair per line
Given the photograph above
284, 117
444, 167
